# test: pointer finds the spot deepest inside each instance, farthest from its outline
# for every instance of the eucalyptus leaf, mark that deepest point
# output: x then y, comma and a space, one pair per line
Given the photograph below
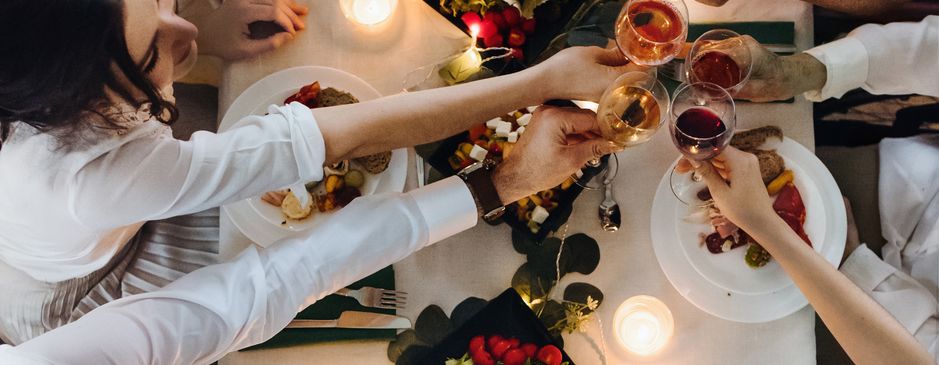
552, 313
544, 261
413, 355
584, 254
522, 242
578, 293
532, 288
432, 325
401, 343
466, 310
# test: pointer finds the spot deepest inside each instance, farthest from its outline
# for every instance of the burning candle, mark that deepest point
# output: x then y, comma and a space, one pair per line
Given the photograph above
643, 324
368, 12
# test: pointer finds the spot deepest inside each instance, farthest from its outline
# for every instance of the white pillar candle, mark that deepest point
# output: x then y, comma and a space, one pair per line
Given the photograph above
643, 324
368, 12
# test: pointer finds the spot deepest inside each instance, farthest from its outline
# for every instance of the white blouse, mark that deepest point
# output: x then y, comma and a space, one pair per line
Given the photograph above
898, 58
66, 213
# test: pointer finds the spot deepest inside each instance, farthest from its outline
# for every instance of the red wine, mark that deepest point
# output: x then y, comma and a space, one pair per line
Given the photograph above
699, 133
717, 68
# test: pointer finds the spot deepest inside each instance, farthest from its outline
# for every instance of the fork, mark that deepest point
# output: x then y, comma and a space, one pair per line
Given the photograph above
376, 297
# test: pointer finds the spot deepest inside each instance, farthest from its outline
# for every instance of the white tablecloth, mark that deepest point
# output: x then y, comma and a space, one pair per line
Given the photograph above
481, 261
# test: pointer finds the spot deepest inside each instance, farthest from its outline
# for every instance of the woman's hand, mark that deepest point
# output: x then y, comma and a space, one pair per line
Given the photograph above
744, 199
776, 77
581, 73
557, 143
224, 32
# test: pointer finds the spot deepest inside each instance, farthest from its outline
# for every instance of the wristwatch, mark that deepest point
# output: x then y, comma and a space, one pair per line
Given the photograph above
478, 178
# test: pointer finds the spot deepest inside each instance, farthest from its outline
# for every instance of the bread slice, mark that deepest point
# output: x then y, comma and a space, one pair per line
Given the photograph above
771, 164
754, 138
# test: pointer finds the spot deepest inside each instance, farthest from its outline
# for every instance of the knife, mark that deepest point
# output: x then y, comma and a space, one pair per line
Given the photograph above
355, 319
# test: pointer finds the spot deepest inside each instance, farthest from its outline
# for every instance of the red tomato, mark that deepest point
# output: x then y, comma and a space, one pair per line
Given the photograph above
511, 15
516, 38
496, 18
550, 355
482, 358
500, 349
494, 40
528, 26
477, 131
514, 343
530, 349
518, 54
470, 18
487, 29
493, 340
514, 357
476, 344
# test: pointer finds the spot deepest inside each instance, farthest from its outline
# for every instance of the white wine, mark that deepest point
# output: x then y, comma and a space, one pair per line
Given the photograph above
628, 115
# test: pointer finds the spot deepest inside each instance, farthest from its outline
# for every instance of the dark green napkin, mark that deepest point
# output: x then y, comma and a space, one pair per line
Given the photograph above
329, 308
763, 32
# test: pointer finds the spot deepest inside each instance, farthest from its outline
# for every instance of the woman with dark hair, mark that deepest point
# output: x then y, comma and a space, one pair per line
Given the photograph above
86, 155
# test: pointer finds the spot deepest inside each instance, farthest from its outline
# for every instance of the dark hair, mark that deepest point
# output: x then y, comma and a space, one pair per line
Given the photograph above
57, 62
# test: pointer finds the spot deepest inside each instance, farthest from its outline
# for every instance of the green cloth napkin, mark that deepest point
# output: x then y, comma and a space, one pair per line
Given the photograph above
329, 308
763, 32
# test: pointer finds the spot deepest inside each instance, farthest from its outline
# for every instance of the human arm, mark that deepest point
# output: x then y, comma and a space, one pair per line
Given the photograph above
867, 332
897, 58
221, 308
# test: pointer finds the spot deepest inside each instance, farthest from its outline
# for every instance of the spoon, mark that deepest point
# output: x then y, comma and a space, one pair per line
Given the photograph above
609, 210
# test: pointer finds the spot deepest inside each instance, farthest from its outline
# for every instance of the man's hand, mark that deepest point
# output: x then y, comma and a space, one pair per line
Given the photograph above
224, 32
557, 143
777, 77
581, 73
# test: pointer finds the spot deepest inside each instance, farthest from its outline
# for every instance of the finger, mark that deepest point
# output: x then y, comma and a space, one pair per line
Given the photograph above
683, 166
274, 14
712, 178
292, 15
609, 57
258, 46
578, 121
297, 8
591, 150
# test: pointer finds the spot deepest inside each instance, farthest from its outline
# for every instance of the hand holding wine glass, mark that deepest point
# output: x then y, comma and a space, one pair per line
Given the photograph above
721, 57
776, 77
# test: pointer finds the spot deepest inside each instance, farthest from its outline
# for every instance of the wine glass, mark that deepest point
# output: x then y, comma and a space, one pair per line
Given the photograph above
630, 111
720, 57
702, 122
652, 32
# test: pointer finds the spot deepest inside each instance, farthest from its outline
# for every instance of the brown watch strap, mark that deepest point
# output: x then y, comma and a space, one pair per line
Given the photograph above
479, 180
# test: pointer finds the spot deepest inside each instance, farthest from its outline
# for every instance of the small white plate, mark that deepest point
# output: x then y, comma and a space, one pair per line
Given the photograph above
723, 285
260, 221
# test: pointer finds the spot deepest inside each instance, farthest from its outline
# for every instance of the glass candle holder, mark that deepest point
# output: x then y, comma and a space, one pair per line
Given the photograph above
643, 325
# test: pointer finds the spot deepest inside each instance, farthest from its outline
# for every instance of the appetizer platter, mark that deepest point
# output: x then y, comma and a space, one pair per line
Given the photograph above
278, 214
535, 216
731, 276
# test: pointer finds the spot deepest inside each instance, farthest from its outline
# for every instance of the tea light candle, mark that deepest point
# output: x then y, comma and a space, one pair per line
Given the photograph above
643, 324
368, 12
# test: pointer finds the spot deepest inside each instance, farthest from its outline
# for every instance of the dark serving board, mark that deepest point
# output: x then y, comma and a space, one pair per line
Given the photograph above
507, 316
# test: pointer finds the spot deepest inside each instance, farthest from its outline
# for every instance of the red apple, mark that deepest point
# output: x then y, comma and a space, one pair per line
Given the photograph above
496, 18
528, 26
516, 37
495, 40
511, 15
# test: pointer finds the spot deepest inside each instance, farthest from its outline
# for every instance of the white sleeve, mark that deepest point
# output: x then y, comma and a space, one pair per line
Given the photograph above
226, 307
154, 178
897, 58
914, 306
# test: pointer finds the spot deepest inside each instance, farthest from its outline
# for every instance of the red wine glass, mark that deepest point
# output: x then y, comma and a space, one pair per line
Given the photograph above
702, 120
721, 57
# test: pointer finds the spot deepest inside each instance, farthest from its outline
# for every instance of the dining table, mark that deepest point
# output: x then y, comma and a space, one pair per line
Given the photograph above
480, 262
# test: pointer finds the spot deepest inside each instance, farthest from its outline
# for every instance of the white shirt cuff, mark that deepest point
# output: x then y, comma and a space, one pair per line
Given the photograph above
846, 62
865, 269
309, 148
447, 206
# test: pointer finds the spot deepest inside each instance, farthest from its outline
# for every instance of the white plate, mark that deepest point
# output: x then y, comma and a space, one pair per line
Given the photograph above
260, 221
723, 285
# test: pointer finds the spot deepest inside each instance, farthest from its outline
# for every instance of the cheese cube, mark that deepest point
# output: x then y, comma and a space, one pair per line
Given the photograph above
531, 109
579, 174
478, 153
523, 120
503, 129
493, 123
539, 215
520, 130
513, 137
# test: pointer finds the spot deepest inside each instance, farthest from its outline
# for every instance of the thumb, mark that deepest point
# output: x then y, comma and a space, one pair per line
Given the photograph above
611, 57
712, 178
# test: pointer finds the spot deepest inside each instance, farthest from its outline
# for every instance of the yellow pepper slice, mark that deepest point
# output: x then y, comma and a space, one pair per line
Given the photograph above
778, 183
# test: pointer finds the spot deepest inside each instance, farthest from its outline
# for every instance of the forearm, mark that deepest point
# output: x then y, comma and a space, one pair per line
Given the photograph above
420, 117
867, 332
